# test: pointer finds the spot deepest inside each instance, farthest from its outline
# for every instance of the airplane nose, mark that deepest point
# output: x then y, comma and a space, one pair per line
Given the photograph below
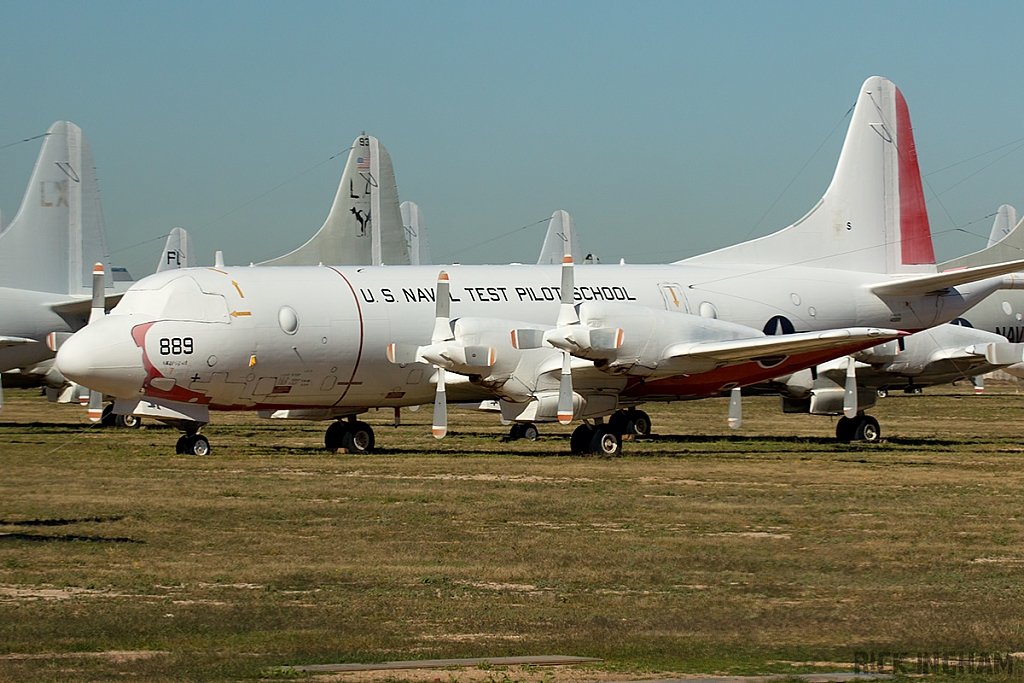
103, 356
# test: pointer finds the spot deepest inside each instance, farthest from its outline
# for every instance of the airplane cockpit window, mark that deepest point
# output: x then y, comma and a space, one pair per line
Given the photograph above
179, 299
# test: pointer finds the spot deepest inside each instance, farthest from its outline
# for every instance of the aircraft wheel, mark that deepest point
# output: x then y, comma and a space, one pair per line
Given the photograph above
108, 419
579, 443
334, 438
605, 442
844, 429
198, 445
513, 431
181, 448
867, 429
882, 393
529, 431
639, 423
619, 422
358, 438
128, 421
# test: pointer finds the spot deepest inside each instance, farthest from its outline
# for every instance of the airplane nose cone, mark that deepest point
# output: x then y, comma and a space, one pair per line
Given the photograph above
103, 356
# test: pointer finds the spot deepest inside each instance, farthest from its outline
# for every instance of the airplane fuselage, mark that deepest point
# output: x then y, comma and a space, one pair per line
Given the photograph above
303, 337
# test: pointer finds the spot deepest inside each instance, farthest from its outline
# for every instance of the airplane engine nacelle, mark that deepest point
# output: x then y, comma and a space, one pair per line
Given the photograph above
647, 332
883, 353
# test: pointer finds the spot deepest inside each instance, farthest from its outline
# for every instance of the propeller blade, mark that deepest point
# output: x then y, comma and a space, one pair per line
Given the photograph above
95, 405
735, 408
98, 300
850, 397
440, 407
565, 410
442, 308
567, 311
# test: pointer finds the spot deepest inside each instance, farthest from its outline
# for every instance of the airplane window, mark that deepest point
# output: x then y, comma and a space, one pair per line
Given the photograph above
179, 299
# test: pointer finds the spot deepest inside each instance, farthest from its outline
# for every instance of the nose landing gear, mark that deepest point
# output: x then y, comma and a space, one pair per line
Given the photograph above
192, 444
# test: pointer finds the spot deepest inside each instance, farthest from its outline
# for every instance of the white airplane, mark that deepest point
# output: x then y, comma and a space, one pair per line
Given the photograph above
46, 257
181, 344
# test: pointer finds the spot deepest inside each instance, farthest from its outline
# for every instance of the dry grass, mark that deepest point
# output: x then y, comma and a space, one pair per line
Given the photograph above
701, 551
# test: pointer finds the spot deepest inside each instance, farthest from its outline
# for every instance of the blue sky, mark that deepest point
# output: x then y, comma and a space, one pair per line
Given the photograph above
665, 129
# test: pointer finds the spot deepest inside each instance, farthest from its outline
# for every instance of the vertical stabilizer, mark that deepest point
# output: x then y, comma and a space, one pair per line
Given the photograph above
57, 234
1006, 220
416, 234
178, 252
560, 229
1009, 248
872, 217
364, 226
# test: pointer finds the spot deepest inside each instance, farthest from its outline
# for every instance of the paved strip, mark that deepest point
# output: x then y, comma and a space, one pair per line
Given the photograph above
538, 660
809, 678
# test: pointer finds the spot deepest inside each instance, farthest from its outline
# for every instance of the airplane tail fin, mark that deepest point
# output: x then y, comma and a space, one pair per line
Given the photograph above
561, 228
1010, 247
58, 234
872, 217
415, 234
364, 226
178, 251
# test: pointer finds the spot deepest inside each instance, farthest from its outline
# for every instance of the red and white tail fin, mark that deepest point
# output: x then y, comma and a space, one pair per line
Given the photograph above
872, 217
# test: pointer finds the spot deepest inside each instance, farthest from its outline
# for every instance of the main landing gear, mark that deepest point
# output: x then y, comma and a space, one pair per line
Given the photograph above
861, 428
354, 436
631, 422
192, 443
109, 419
523, 430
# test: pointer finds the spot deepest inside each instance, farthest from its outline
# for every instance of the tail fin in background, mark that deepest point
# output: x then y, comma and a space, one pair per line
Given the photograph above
872, 217
58, 233
365, 223
178, 252
1009, 248
561, 228
1006, 220
415, 234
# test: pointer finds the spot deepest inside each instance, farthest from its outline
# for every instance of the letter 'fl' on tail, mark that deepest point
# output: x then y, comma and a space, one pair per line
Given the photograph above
57, 234
872, 217
178, 251
365, 224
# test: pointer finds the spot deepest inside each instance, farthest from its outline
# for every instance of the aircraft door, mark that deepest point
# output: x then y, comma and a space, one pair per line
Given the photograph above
672, 293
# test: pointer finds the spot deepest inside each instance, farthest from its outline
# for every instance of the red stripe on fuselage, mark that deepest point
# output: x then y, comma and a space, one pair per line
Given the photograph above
915, 234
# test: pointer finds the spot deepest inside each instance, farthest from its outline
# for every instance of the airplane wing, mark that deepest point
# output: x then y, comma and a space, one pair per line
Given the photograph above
6, 342
737, 351
81, 307
926, 284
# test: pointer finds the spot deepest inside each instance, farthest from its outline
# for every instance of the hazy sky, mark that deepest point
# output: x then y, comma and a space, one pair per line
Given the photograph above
665, 129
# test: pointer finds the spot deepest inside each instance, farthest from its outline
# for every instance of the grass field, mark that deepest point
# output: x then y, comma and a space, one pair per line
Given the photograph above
773, 549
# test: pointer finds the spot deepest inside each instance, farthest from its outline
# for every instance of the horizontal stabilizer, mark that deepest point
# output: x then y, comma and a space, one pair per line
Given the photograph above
758, 348
6, 342
83, 306
926, 284
1009, 247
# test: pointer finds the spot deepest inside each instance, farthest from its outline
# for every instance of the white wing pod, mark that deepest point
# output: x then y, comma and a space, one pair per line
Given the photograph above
600, 343
452, 355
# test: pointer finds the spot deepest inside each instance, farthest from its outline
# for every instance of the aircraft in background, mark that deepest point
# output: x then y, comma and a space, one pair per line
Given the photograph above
47, 252
416, 234
364, 226
320, 341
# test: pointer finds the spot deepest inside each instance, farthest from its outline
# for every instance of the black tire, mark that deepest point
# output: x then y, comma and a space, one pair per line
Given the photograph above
867, 429
619, 422
108, 419
605, 442
128, 421
579, 442
334, 437
639, 423
359, 438
844, 429
181, 448
198, 445
513, 431
529, 431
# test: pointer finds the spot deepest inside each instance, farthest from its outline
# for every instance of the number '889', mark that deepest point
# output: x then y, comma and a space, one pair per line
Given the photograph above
175, 346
